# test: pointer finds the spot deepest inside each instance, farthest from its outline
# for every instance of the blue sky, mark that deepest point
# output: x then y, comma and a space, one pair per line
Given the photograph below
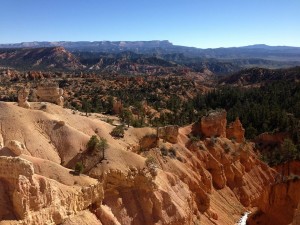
198, 23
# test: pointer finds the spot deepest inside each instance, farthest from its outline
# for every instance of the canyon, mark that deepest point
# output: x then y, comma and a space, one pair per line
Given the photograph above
212, 180
203, 172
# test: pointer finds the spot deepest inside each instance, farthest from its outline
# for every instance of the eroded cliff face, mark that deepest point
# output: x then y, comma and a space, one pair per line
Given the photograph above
201, 187
188, 181
136, 197
34, 199
279, 203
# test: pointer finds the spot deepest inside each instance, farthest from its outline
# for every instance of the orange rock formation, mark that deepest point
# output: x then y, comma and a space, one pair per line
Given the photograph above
208, 181
236, 131
23, 97
169, 133
50, 93
212, 125
280, 203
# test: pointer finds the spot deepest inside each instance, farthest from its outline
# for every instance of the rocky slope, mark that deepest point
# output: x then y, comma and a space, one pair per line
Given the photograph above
260, 76
39, 58
188, 181
135, 64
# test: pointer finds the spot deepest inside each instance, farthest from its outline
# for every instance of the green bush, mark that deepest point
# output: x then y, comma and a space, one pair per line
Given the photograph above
92, 143
102, 146
287, 152
194, 139
78, 168
118, 131
108, 120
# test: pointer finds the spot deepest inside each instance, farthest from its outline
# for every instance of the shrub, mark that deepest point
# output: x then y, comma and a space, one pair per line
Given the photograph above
78, 168
289, 150
164, 151
194, 139
126, 116
294, 177
179, 159
137, 122
233, 140
92, 143
212, 141
150, 161
172, 152
150, 135
118, 131
43, 107
110, 121
102, 145
202, 147
226, 148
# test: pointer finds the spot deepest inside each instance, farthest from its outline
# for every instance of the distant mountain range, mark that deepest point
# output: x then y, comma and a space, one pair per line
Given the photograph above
143, 57
165, 47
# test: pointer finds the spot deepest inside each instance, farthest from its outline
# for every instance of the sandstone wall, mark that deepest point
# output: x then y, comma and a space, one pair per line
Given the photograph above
39, 200
14, 167
280, 202
50, 93
135, 197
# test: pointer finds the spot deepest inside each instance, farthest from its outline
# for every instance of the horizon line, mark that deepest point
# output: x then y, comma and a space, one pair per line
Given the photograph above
249, 45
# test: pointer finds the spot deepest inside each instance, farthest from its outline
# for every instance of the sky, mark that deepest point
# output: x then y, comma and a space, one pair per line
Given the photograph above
197, 23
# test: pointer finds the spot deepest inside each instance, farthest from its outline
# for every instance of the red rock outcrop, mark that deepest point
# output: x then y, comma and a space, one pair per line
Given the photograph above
212, 125
271, 139
280, 203
23, 98
236, 131
35, 75
50, 93
169, 133
117, 107
148, 141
